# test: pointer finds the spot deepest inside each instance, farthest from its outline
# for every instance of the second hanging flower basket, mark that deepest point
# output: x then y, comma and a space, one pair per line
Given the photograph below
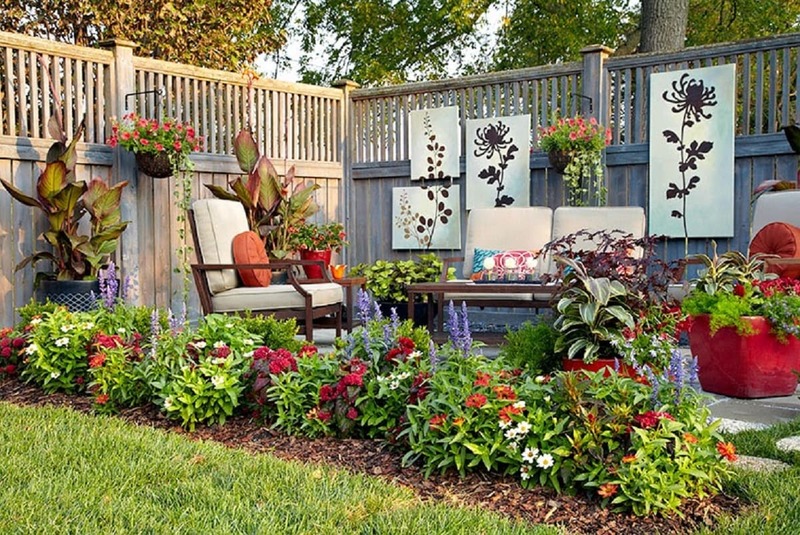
156, 165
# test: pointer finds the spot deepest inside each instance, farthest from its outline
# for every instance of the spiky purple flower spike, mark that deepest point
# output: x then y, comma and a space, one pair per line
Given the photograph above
466, 335
155, 331
676, 372
432, 355
453, 325
395, 321
364, 304
107, 278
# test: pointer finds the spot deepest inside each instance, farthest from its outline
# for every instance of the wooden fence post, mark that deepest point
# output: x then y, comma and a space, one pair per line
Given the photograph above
123, 82
595, 100
346, 156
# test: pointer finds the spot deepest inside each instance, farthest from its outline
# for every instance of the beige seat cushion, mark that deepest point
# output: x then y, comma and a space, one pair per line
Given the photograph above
275, 296
523, 228
217, 222
778, 206
457, 297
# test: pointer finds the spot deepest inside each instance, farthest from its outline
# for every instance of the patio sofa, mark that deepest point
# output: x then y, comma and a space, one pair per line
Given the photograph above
215, 223
529, 229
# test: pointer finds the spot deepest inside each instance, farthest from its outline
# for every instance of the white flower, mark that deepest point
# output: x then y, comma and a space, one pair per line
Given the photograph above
249, 354
382, 379
67, 328
523, 428
404, 375
55, 375
519, 405
247, 342
199, 345
394, 385
88, 326
36, 321
547, 399
229, 325
167, 403
219, 344
511, 433
31, 349
529, 455
218, 360
61, 342
544, 461
524, 472
488, 264
513, 446
122, 330
218, 381
414, 355
539, 379
504, 424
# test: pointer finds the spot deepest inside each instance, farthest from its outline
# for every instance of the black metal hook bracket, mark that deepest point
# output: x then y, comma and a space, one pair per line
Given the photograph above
160, 92
590, 102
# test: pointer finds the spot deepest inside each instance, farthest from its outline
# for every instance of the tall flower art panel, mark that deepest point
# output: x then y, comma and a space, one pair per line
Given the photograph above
498, 173
427, 217
691, 152
434, 144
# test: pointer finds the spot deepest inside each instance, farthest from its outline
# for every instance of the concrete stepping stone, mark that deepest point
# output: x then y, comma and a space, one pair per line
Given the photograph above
759, 464
789, 444
728, 425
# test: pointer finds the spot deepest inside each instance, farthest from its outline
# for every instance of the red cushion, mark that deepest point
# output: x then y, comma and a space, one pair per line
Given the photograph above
779, 239
249, 249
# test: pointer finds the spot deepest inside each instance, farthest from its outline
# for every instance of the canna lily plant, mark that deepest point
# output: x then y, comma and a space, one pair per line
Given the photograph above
273, 206
65, 201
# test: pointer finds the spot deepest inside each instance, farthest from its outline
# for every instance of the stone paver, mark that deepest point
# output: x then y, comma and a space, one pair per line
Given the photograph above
789, 444
759, 464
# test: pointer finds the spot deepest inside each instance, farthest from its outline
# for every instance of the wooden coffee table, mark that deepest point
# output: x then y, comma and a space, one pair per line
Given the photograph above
438, 289
349, 283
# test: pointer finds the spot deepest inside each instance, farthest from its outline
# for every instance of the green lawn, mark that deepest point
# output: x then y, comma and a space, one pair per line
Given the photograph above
65, 472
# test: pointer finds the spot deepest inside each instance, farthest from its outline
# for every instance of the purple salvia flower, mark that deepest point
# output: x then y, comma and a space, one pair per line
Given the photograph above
127, 288
432, 355
364, 304
466, 335
616, 364
395, 321
377, 315
676, 372
109, 285
654, 384
155, 331
388, 334
351, 346
694, 367
452, 323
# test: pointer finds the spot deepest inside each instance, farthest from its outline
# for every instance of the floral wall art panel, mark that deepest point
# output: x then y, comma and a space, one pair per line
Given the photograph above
498, 172
691, 152
427, 217
434, 144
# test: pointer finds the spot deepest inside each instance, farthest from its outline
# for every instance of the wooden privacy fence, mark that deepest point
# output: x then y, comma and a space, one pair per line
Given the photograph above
612, 89
295, 124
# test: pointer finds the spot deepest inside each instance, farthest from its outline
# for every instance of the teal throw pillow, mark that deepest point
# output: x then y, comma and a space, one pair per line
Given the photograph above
480, 256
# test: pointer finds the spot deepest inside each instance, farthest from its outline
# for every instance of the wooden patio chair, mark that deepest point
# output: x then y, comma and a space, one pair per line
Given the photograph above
312, 302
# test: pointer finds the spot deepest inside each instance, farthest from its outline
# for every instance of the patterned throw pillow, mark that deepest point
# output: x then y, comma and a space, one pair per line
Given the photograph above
523, 262
480, 256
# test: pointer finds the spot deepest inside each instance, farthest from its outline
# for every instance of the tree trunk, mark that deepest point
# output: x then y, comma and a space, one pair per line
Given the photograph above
663, 25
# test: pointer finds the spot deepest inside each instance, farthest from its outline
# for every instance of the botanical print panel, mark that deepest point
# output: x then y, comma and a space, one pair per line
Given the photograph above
434, 143
691, 152
498, 171
427, 217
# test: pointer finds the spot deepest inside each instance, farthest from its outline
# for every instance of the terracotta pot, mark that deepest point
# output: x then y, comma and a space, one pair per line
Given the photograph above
752, 366
315, 272
156, 165
559, 159
607, 365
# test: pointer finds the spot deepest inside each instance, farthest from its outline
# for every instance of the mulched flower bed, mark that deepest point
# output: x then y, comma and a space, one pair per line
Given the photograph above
502, 494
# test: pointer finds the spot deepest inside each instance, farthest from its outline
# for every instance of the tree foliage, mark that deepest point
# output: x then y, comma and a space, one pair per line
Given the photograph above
207, 33
715, 21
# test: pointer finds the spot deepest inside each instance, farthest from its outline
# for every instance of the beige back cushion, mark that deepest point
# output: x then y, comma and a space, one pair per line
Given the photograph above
779, 206
571, 219
217, 222
525, 228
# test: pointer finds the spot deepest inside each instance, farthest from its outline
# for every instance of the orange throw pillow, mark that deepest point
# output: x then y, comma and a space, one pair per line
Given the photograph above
249, 249
779, 239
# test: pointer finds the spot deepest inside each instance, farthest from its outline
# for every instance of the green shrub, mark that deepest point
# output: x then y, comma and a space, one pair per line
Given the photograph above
118, 377
274, 333
532, 347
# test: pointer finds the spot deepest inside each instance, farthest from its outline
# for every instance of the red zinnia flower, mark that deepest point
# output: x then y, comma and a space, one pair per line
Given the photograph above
727, 450
437, 421
95, 361
102, 399
505, 392
323, 416
482, 380
476, 400
327, 393
607, 490
505, 413
5, 352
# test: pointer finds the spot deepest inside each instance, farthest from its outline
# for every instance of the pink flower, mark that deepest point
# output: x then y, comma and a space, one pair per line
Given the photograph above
177, 145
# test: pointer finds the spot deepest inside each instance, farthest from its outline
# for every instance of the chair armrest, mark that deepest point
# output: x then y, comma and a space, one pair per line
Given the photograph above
447, 264
275, 264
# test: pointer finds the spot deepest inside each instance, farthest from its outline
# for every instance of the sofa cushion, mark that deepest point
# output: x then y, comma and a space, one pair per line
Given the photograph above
249, 249
217, 221
275, 297
781, 239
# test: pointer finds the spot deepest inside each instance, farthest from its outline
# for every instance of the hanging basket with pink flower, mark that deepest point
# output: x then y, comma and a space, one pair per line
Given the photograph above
574, 147
161, 147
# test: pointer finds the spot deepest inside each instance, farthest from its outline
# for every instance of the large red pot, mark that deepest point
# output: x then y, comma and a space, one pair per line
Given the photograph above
315, 272
751, 366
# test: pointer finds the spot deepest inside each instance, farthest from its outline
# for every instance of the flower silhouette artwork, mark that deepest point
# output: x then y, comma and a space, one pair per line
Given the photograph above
497, 177
426, 217
691, 98
434, 143
494, 143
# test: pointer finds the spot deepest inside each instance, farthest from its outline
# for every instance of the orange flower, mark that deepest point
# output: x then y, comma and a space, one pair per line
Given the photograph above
505, 392
505, 413
629, 458
97, 360
458, 421
690, 438
437, 421
482, 380
727, 450
476, 400
607, 490
102, 399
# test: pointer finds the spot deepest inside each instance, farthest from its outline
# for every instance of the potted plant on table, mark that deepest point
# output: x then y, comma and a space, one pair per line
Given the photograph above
76, 256
744, 330
574, 147
161, 148
317, 242
387, 281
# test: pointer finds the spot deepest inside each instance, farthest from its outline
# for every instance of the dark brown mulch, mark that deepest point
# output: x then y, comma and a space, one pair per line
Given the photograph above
578, 514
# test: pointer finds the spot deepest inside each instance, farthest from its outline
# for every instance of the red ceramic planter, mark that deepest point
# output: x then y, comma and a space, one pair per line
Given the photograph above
754, 366
315, 272
574, 365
